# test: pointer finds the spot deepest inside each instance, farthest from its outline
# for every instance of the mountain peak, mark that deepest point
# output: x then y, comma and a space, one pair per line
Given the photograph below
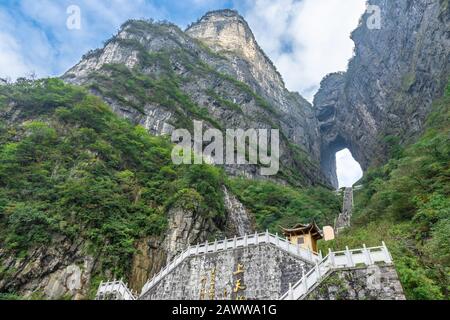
226, 32
214, 26
225, 14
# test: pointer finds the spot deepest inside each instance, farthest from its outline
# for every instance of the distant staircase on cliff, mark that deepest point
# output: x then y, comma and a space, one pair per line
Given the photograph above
344, 219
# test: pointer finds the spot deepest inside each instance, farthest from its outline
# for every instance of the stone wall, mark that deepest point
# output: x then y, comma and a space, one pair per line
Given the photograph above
360, 283
255, 272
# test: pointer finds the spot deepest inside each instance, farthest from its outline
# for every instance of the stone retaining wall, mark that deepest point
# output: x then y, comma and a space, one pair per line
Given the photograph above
254, 272
376, 282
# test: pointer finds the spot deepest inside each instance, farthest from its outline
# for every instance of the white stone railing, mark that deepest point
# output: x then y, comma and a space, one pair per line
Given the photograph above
114, 290
335, 260
230, 244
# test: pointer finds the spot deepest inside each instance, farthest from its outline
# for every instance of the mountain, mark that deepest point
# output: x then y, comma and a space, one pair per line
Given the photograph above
386, 94
88, 190
406, 203
97, 195
391, 109
164, 78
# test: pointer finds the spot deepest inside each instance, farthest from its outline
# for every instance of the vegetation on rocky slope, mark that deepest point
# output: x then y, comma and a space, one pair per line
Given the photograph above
275, 205
407, 204
162, 78
70, 167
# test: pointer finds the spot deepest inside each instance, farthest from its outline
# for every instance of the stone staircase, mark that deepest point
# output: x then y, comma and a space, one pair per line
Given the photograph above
230, 244
322, 267
335, 261
212, 247
114, 290
344, 218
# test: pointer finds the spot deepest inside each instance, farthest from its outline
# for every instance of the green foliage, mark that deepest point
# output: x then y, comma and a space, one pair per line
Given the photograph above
10, 296
406, 203
223, 101
135, 89
275, 205
408, 80
208, 181
86, 173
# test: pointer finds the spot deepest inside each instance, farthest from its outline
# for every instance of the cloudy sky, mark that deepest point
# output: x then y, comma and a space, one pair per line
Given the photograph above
306, 39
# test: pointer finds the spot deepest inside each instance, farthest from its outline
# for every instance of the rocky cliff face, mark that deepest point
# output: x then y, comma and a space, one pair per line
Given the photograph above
227, 33
386, 94
221, 76
187, 226
52, 272
239, 221
160, 77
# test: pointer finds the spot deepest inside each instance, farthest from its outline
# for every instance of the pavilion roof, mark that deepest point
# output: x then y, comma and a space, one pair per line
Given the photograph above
304, 229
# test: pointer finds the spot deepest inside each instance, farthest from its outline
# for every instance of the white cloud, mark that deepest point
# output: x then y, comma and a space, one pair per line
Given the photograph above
12, 64
306, 39
347, 169
35, 38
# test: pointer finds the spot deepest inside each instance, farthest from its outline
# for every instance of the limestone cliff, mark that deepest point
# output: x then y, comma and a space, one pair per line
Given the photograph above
226, 32
220, 76
386, 94
162, 77
187, 226
49, 272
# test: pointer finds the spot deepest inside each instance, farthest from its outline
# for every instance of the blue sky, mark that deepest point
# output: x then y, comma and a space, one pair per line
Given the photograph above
306, 39
35, 36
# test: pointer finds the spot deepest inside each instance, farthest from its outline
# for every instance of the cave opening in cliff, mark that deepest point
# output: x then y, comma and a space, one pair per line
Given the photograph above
348, 170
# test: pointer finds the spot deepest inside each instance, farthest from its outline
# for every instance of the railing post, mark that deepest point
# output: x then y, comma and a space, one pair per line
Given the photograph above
256, 238
386, 253
206, 246
349, 257
317, 269
234, 242
196, 248
267, 236
367, 255
320, 255
215, 245
225, 244
305, 285
245, 240
331, 257
310, 254
291, 292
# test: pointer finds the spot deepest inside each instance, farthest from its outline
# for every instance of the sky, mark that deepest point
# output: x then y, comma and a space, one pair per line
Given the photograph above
348, 169
306, 39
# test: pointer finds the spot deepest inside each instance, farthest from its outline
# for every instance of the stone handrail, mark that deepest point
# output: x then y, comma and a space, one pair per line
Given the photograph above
114, 288
335, 260
229, 244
